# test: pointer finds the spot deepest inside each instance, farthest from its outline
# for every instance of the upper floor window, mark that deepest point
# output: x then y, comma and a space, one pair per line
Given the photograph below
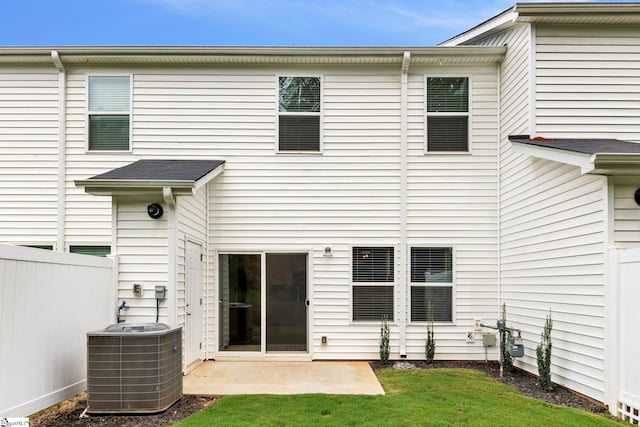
299, 114
109, 110
447, 114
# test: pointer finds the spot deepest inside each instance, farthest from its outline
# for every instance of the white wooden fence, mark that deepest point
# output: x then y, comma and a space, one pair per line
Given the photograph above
629, 322
48, 302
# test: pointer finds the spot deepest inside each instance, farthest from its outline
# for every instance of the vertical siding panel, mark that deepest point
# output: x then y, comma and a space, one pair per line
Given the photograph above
191, 214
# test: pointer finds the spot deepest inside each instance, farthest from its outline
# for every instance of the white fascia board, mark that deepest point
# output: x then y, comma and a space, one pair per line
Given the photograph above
112, 187
208, 177
499, 21
581, 160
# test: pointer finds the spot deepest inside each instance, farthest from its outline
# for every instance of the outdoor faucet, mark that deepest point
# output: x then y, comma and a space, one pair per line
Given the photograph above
124, 307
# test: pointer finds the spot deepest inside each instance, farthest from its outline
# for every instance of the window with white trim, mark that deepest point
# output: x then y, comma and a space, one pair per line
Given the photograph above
109, 113
431, 283
447, 118
373, 279
299, 114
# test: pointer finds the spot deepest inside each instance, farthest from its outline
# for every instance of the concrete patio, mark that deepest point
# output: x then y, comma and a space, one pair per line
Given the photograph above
275, 377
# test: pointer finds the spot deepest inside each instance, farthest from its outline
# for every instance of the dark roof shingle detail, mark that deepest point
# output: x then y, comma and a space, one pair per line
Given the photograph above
581, 145
162, 170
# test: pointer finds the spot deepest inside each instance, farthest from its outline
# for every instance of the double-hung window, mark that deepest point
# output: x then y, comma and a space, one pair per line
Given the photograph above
432, 284
373, 279
109, 113
447, 119
299, 114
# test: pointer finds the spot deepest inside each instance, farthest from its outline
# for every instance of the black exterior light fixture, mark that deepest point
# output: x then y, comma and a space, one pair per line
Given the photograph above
636, 196
154, 210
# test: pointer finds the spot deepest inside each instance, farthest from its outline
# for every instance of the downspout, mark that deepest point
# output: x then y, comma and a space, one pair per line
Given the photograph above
402, 250
172, 241
62, 151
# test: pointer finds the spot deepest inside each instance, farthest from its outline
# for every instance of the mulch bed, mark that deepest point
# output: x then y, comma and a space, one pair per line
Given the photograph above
68, 412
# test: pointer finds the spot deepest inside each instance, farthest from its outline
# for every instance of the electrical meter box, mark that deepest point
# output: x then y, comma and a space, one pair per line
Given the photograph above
515, 347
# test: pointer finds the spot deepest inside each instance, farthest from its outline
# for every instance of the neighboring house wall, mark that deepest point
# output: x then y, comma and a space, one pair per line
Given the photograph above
553, 229
587, 81
48, 302
28, 166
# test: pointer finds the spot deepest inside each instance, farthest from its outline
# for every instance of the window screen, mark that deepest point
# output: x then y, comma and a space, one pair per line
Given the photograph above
372, 303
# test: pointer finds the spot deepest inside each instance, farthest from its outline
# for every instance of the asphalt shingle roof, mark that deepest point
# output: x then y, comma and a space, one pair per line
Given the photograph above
581, 145
162, 170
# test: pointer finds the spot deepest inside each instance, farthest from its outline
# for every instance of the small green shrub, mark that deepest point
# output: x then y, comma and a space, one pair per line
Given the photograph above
543, 351
505, 357
430, 346
384, 341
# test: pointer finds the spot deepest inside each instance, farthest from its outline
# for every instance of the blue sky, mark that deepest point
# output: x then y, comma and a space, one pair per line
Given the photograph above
240, 22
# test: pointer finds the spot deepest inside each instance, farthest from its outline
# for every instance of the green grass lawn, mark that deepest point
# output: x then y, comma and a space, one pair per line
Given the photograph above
427, 397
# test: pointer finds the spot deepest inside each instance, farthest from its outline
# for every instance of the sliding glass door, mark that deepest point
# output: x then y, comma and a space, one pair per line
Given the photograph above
263, 302
286, 302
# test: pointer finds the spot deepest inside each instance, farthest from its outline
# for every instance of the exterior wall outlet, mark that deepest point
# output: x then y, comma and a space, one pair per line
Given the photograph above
323, 340
477, 324
471, 337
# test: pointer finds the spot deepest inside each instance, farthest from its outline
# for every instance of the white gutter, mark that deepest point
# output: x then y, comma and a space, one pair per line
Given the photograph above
402, 250
62, 152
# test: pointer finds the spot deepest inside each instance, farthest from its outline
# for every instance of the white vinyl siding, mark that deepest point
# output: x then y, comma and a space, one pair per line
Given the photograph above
142, 254
626, 212
552, 218
587, 82
267, 202
28, 156
452, 202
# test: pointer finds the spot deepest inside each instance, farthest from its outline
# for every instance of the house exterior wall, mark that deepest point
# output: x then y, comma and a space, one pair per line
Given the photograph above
28, 165
348, 195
